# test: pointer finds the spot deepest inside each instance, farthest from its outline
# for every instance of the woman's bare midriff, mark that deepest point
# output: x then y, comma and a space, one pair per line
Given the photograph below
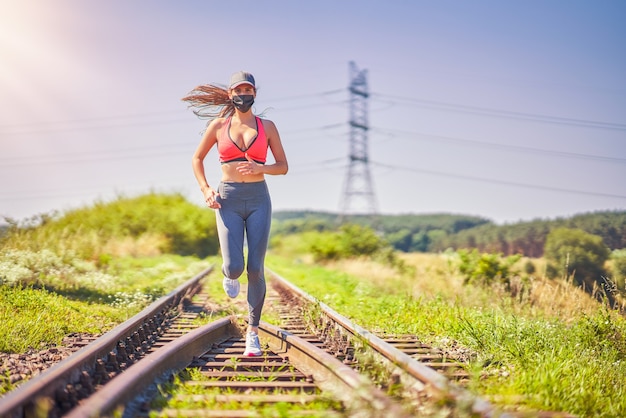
230, 174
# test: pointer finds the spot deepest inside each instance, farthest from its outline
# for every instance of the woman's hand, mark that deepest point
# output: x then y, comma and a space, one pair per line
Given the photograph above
210, 196
249, 167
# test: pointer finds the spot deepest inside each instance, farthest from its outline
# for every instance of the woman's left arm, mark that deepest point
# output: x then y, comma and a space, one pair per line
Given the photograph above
280, 165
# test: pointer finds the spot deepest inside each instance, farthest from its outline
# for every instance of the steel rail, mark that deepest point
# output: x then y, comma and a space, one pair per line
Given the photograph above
437, 383
43, 390
356, 392
126, 392
172, 357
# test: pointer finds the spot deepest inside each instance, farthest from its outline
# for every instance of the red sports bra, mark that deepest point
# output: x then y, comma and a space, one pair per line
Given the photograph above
229, 151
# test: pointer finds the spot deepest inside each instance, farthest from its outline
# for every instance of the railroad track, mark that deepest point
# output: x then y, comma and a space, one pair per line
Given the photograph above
418, 375
60, 388
162, 363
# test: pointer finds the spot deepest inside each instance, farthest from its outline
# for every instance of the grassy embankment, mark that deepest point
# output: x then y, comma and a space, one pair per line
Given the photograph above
548, 346
93, 268
545, 346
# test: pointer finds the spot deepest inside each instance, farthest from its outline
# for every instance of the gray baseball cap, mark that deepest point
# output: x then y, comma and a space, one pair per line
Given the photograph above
239, 78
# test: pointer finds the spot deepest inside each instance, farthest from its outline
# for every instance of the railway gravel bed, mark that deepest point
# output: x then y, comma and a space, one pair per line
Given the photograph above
17, 368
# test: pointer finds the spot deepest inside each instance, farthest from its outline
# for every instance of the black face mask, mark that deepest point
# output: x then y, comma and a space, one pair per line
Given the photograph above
244, 102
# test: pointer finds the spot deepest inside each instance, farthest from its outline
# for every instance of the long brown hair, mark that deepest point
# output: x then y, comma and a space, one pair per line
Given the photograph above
209, 102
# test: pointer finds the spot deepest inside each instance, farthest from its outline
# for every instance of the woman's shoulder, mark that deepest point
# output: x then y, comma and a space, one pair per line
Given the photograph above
217, 123
215, 126
270, 128
220, 121
266, 122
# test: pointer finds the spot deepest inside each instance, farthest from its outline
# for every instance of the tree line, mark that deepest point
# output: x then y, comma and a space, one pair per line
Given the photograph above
588, 248
438, 232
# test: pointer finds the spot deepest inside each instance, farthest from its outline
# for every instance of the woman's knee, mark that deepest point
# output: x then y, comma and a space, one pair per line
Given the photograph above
232, 270
255, 273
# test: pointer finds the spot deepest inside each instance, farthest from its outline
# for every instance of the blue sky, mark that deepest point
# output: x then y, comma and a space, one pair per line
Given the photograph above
509, 110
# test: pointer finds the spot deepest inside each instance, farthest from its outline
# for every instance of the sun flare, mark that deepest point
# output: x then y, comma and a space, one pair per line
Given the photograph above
34, 56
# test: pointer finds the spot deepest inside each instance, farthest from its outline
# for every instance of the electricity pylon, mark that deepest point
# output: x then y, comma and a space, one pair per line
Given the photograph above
358, 196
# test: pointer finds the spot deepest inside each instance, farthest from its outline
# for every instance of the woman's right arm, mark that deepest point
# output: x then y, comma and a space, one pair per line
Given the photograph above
209, 139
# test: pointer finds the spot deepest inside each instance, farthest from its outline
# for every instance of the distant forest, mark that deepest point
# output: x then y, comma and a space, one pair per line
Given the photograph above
438, 232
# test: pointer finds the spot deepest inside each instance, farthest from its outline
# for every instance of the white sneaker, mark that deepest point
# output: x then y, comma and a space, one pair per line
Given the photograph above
253, 347
231, 287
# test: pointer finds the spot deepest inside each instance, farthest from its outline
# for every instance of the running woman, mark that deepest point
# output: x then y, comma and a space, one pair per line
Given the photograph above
241, 200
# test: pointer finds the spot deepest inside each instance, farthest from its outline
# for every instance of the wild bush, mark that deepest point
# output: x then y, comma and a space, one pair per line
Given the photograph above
350, 241
145, 225
619, 262
618, 268
577, 253
486, 269
558, 350
26, 268
325, 246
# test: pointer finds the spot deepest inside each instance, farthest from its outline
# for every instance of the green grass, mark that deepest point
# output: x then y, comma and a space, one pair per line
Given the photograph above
546, 348
61, 298
90, 269
65, 299
150, 224
34, 318
523, 356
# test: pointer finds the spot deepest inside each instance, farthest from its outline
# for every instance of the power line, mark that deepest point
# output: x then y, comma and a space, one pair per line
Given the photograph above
303, 169
319, 128
499, 113
51, 193
114, 120
496, 181
94, 119
45, 128
147, 151
516, 148
84, 157
139, 119
315, 167
330, 165
340, 103
36, 129
307, 96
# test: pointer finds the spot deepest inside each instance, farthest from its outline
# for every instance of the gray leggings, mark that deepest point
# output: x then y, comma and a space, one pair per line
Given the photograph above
246, 207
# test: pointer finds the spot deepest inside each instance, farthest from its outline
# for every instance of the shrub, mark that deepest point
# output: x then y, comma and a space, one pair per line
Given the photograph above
350, 241
325, 246
401, 240
485, 268
578, 253
359, 240
24, 268
619, 267
144, 225
619, 262
529, 267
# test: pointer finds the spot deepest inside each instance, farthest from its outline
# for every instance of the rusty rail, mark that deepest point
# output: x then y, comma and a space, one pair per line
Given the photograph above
201, 348
170, 358
59, 388
433, 381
